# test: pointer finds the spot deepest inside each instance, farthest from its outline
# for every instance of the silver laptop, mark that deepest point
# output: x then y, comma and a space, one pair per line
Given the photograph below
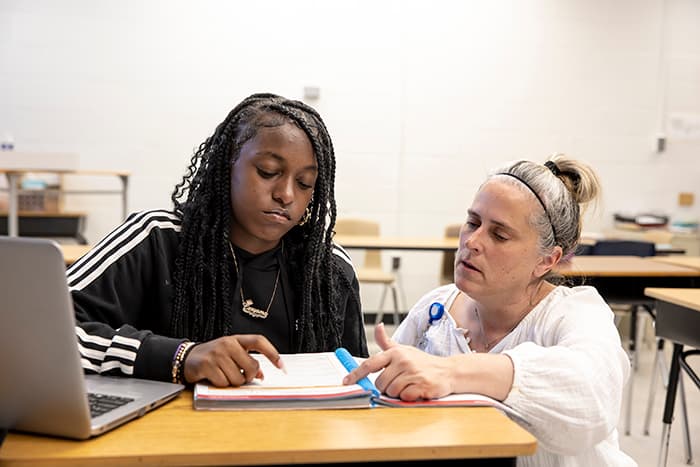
42, 385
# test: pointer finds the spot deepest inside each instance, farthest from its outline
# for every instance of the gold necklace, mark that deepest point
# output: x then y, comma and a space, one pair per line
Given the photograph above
247, 303
488, 345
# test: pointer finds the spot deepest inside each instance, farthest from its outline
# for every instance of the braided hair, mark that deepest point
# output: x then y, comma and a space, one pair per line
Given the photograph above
202, 308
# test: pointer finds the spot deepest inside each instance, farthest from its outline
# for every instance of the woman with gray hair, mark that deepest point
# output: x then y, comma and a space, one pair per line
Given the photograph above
508, 330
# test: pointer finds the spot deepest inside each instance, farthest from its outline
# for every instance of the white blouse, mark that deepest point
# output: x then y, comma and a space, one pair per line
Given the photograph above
570, 370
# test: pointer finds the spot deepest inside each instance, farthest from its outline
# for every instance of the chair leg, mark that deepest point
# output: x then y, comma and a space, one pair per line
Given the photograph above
696, 380
628, 402
380, 312
673, 377
635, 335
399, 288
397, 316
659, 368
665, 441
633, 364
688, 447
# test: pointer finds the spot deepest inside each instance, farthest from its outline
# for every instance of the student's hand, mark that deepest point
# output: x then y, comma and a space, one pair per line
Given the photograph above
409, 373
225, 361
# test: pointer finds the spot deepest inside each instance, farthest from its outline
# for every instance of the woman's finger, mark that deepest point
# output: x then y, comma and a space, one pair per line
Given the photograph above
382, 338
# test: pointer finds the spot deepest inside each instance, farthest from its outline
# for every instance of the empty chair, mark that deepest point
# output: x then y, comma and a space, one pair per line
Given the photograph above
372, 270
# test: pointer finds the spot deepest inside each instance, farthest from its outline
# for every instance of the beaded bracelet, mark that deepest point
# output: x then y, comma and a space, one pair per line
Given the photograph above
179, 359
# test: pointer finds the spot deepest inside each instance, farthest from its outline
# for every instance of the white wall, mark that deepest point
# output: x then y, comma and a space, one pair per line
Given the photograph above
421, 97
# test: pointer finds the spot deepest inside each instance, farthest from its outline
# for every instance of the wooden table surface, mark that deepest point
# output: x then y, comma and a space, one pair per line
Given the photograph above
417, 243
689, 298
71, 253
624, 266
373, 242
686, 261
176, 434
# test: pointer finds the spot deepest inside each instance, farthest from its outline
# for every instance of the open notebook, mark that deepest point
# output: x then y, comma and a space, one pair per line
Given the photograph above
42, 386
315, 381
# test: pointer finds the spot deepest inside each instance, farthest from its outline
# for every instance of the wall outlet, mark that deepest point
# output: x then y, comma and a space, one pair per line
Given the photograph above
660, 143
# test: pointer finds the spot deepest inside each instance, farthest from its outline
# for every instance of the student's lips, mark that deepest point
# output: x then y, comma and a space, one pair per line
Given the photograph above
278, 215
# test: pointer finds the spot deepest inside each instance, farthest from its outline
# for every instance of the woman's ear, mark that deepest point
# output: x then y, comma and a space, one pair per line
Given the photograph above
548, 262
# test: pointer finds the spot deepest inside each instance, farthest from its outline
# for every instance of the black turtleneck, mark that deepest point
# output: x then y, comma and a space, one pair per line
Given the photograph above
257, 277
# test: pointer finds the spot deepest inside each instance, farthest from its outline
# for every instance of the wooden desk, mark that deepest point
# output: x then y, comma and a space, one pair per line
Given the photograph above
622, 279
176, 434
372, 242
71, 253
683, 325
685, 261
14, 174
625, 266
381, 242
46, 224
678, 320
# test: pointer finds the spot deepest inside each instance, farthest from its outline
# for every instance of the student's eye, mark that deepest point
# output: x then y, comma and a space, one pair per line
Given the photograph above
471, 225
304, 186
265, 174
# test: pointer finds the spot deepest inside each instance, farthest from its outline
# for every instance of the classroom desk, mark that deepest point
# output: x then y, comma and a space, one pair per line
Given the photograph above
677, 320
382, 242
14, 175
686, 261
71, 253
176, 434
373, 242
622, 279
47, 224
626, 266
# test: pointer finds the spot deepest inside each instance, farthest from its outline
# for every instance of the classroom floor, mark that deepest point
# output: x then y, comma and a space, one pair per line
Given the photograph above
644, 449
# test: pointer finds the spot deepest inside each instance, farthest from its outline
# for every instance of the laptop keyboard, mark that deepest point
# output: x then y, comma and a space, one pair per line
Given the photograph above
103, 403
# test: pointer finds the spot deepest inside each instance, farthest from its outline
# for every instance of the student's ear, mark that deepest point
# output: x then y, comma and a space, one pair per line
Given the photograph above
548, 262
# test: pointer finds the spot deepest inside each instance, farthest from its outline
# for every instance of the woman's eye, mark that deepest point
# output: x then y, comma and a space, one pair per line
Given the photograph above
265, 174
500, 237
472, 225
305, 186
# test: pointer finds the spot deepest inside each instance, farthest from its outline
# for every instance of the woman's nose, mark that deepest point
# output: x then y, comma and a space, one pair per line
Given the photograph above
284, 191
471, 240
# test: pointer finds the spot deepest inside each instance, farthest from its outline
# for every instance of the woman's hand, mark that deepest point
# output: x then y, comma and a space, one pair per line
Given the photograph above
225, 361
409, 373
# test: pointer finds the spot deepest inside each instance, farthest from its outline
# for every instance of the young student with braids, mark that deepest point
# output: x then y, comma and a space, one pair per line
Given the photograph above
244, 262
508, 330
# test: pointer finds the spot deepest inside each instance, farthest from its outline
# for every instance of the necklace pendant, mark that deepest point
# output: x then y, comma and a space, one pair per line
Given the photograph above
247, 303
250, 310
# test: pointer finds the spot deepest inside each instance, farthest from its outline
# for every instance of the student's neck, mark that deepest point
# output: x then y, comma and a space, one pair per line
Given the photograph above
255, 248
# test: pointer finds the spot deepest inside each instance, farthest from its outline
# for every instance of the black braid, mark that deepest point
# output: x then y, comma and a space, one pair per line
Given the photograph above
202, 308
